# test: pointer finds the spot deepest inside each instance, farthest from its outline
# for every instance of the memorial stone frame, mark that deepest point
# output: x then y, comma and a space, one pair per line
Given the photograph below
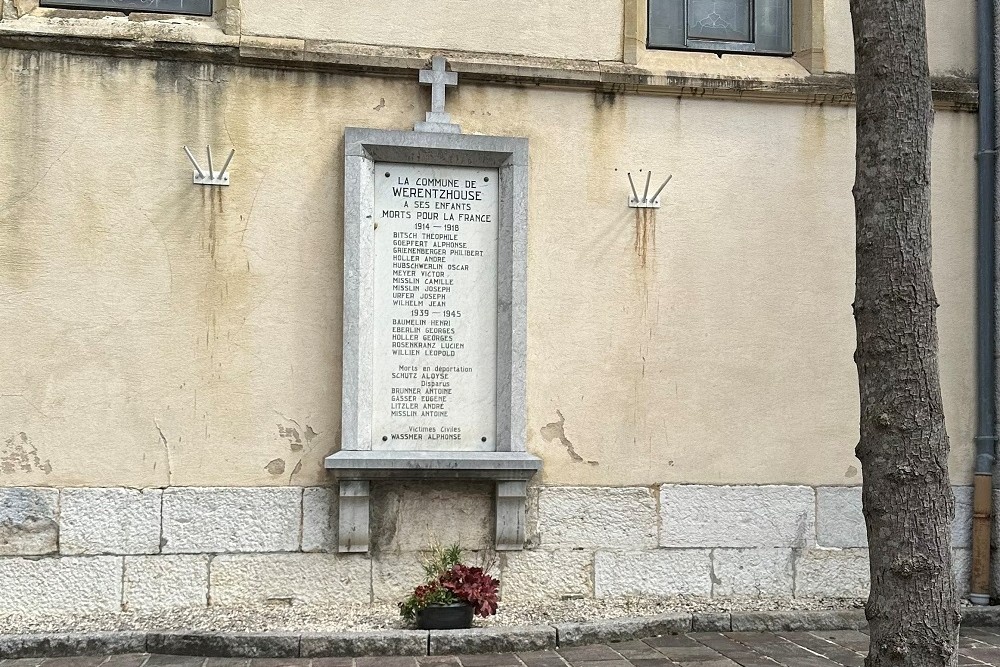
478, 429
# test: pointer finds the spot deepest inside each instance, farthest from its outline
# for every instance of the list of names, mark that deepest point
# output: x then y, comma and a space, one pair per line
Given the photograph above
435, 308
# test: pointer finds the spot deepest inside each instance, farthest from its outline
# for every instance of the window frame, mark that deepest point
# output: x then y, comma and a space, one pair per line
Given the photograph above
200, 7
721, 46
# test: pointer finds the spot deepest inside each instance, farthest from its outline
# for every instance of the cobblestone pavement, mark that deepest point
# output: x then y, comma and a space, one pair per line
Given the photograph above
979, 646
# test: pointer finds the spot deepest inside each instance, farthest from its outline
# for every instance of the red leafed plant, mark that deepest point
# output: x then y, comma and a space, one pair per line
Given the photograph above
473, 586
451, 582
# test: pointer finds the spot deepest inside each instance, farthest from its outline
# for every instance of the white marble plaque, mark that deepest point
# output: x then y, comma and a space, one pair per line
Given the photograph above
434, 384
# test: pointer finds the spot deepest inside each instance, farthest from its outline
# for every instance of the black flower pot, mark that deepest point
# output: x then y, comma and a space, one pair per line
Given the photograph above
445, 617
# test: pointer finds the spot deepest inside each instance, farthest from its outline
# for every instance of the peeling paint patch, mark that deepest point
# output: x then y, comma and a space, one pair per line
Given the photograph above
276, 467
19, 455
557, 431
292, 436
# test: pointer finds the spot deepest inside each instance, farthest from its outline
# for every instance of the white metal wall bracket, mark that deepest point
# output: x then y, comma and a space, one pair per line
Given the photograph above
646, 201
210, 176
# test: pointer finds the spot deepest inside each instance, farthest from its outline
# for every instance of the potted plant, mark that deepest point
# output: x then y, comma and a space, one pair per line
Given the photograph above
451, 594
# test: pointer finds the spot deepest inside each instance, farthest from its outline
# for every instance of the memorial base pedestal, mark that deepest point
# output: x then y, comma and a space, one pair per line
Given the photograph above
355, 470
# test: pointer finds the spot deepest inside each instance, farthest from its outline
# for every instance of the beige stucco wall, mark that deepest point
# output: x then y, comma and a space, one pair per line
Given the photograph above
951, 36
155, 333
584, 29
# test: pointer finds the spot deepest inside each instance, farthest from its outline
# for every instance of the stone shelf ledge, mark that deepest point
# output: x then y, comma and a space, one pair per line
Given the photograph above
356, 469
371, 465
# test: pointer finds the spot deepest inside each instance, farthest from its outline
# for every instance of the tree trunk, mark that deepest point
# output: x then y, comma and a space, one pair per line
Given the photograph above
907, 496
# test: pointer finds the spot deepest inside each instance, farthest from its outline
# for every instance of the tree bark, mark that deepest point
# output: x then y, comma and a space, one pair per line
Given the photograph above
908, 503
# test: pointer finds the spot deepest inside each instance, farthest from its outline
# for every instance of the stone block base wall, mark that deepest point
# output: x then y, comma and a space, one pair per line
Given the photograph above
101, 550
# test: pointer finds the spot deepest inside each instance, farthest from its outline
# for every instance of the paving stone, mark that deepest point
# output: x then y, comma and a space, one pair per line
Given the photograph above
635, 649
961, 570
688, 653
589, 653
76, 661
229, 662
498, 660
980, 616
546, 575
127, 659
615, 630
670, 640
774, 621
839, 521
231, 519
156, 583
174, 661
664, 572
752, 573
305, 578
382, 643
394, 576
491, 640
319, 519
217, 644
71, 585
850, 639
980, 646
961, 527
826, 648
541, 659
711, 622
29, 521
109, 521
733, 650
841, 573
696, 516
56, 645
780, 649
596, 517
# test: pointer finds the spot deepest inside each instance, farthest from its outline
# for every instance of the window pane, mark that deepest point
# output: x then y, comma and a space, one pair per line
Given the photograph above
666, 22
203, 7
719, 19
774, 34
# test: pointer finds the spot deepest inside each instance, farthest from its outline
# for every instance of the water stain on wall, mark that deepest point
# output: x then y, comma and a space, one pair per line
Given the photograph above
645, 233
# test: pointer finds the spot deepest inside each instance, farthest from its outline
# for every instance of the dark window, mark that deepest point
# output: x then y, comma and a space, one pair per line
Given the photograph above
201, 7
742, 26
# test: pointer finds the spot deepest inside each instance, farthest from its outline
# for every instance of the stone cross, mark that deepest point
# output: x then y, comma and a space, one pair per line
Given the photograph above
438, 78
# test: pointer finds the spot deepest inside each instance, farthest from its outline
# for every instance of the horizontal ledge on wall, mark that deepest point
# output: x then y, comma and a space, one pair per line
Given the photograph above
347, 464
950, 92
